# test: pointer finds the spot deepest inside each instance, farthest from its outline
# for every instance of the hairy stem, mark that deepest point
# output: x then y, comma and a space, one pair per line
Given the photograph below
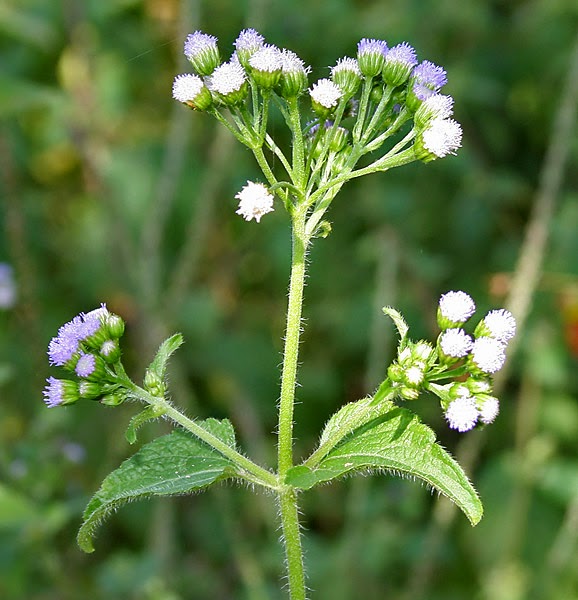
291, 350
292, 542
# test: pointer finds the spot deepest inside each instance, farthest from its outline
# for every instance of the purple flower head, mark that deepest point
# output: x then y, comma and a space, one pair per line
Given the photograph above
53, 392
422, 92
371, 56
399, 63
402, 54
197, 43
202, 52
59, 392
430, 75
63, 347
86, 365
370, 46
248, 42
66, 344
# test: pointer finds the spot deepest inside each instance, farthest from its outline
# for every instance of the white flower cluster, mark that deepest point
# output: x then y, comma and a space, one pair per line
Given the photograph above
482, 355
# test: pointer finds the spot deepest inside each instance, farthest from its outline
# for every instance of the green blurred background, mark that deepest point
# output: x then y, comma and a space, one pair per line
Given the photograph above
113, 192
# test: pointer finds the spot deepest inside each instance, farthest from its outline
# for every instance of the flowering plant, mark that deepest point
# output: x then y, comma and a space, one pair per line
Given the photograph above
380, 95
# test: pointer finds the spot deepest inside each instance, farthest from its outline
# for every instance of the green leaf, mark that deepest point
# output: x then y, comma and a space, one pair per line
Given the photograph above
399, 443
398, 321
170, 345
148, 414
177, 463
349, 418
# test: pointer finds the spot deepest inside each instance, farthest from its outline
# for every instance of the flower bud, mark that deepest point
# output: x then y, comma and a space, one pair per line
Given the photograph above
398, 64
346, 75
89, 390
266, 66
454, 309
110, 351
371, 55
229, 83
439, 138
154, 384
293, 80
325, 96
191, 90
60, 392
202, 52
246, 44
112, 399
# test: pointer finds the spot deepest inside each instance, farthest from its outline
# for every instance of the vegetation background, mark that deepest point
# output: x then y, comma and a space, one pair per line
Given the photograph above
110, 191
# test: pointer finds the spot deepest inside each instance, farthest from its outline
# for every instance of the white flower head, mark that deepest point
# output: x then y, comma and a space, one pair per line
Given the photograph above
187, 87
291, 63
414, 375
442, 137
268, 58
326, 93
455, 342
227, 78
346, 64
489, 409
488, 354
462, 414
501, 324
255, 200
436, 106
456, 307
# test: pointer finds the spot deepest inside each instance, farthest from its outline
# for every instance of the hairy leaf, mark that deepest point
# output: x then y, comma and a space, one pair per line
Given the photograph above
349, 418
177, 463
170, 345
397, 442
398, 321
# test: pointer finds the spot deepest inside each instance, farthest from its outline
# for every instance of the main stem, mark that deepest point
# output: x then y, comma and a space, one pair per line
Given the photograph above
291, 350
287, 495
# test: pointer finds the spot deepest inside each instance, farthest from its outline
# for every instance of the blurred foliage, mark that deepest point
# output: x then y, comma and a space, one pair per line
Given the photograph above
112, 192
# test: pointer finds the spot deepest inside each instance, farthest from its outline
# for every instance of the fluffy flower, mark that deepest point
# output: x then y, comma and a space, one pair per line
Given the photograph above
268, 58
429, 75
326, 93
489, 409
455, 342
291, 63
59, 392
488, 354
346, 64
442, 137
248, 42
399, 62
202, 52
371, 55
500, 324
86, 365
436, 106
255, 200
187, 87
347, 75
457, 307
227, 78
462, 414
401, 54
84, 326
